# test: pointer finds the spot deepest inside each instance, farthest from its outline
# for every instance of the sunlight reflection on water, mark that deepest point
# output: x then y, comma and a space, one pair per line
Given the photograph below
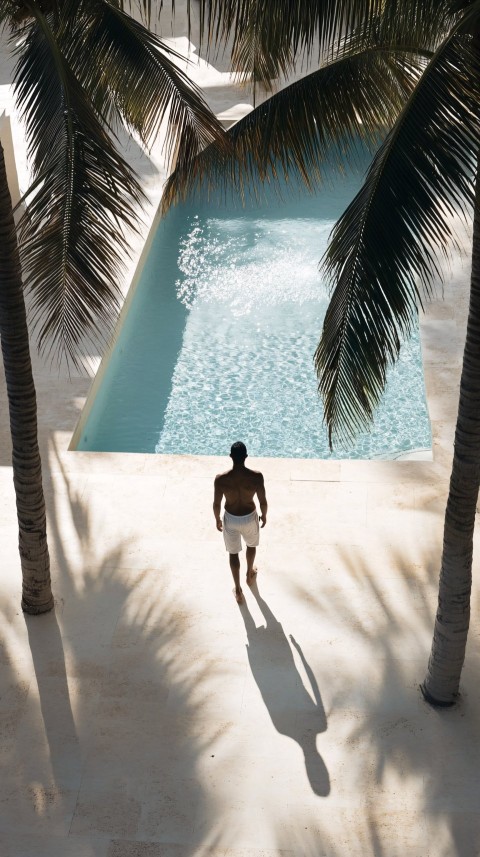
218, 342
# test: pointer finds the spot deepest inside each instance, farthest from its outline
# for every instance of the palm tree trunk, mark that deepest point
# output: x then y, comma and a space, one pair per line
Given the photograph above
27, 467
441, 685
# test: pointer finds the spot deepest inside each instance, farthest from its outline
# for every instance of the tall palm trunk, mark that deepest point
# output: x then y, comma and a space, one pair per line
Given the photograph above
451, 626
27, 468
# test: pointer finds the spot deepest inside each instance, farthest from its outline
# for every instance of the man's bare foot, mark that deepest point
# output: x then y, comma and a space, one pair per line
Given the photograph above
251, 575
238, 596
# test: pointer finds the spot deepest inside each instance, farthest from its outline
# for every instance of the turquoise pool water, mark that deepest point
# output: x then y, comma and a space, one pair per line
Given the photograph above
217, 342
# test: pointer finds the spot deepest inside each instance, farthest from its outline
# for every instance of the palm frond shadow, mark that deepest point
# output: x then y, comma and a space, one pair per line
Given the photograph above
115, 701
427, 755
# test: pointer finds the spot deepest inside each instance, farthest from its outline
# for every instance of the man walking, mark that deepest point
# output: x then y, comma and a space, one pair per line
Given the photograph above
239, 486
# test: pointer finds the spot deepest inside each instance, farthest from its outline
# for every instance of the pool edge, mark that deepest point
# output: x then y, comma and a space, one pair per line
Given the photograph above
105, 360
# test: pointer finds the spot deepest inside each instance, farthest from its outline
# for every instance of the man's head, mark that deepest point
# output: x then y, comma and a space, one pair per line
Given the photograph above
238, 452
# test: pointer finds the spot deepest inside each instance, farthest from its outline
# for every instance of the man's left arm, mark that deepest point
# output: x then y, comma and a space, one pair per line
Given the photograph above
217, 502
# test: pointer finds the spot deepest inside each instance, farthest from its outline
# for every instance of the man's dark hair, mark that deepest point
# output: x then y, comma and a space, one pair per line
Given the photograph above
238, 452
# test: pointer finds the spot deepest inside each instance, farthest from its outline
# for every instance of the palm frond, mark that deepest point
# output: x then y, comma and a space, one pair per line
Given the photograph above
309, 24
418, 27
278, 32
82, 197
252, 56
131, 73
415, 22
144, 8
6, 12
315, 121
384, 251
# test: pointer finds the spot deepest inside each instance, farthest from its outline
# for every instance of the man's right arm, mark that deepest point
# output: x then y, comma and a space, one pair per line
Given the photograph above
262, 499
217, 502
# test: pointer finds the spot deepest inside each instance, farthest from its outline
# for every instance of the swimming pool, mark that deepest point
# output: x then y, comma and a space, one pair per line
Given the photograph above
216, 342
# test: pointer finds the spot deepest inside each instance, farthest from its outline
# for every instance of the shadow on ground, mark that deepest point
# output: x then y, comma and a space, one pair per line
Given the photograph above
416, 767
105, 741
117, 739
290, 706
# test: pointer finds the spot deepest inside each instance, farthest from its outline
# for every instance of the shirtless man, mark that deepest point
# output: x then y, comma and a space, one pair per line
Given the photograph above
239, 486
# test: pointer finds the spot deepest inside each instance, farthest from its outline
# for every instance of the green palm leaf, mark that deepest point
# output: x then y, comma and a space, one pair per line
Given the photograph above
414, 21
268, 37
143, 7
252, 56
385, 247
314, 121
83, 196
290, 25
130, 73
418, 27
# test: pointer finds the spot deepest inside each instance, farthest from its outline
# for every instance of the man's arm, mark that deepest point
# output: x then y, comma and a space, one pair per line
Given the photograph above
262, 499
217, 502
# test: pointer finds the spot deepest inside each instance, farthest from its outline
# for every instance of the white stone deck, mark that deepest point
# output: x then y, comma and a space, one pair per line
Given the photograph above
149, 716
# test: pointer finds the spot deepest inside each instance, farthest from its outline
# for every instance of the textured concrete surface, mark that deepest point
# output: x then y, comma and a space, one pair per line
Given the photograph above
149, 716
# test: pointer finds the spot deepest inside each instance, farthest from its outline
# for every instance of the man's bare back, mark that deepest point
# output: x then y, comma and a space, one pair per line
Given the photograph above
239, 486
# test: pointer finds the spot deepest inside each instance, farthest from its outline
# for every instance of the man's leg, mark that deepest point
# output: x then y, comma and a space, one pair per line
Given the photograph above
235, 566
251, 571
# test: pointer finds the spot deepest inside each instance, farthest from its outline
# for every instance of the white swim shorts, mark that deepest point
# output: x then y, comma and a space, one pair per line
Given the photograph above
235, 526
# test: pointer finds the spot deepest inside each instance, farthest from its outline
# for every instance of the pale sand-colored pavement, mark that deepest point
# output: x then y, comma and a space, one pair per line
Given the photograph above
149, 716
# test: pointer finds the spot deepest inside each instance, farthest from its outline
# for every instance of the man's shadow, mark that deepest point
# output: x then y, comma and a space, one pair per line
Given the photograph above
290, 706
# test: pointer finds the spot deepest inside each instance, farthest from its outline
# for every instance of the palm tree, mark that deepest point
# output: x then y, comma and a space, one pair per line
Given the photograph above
406, 70
84, 67
383, 254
